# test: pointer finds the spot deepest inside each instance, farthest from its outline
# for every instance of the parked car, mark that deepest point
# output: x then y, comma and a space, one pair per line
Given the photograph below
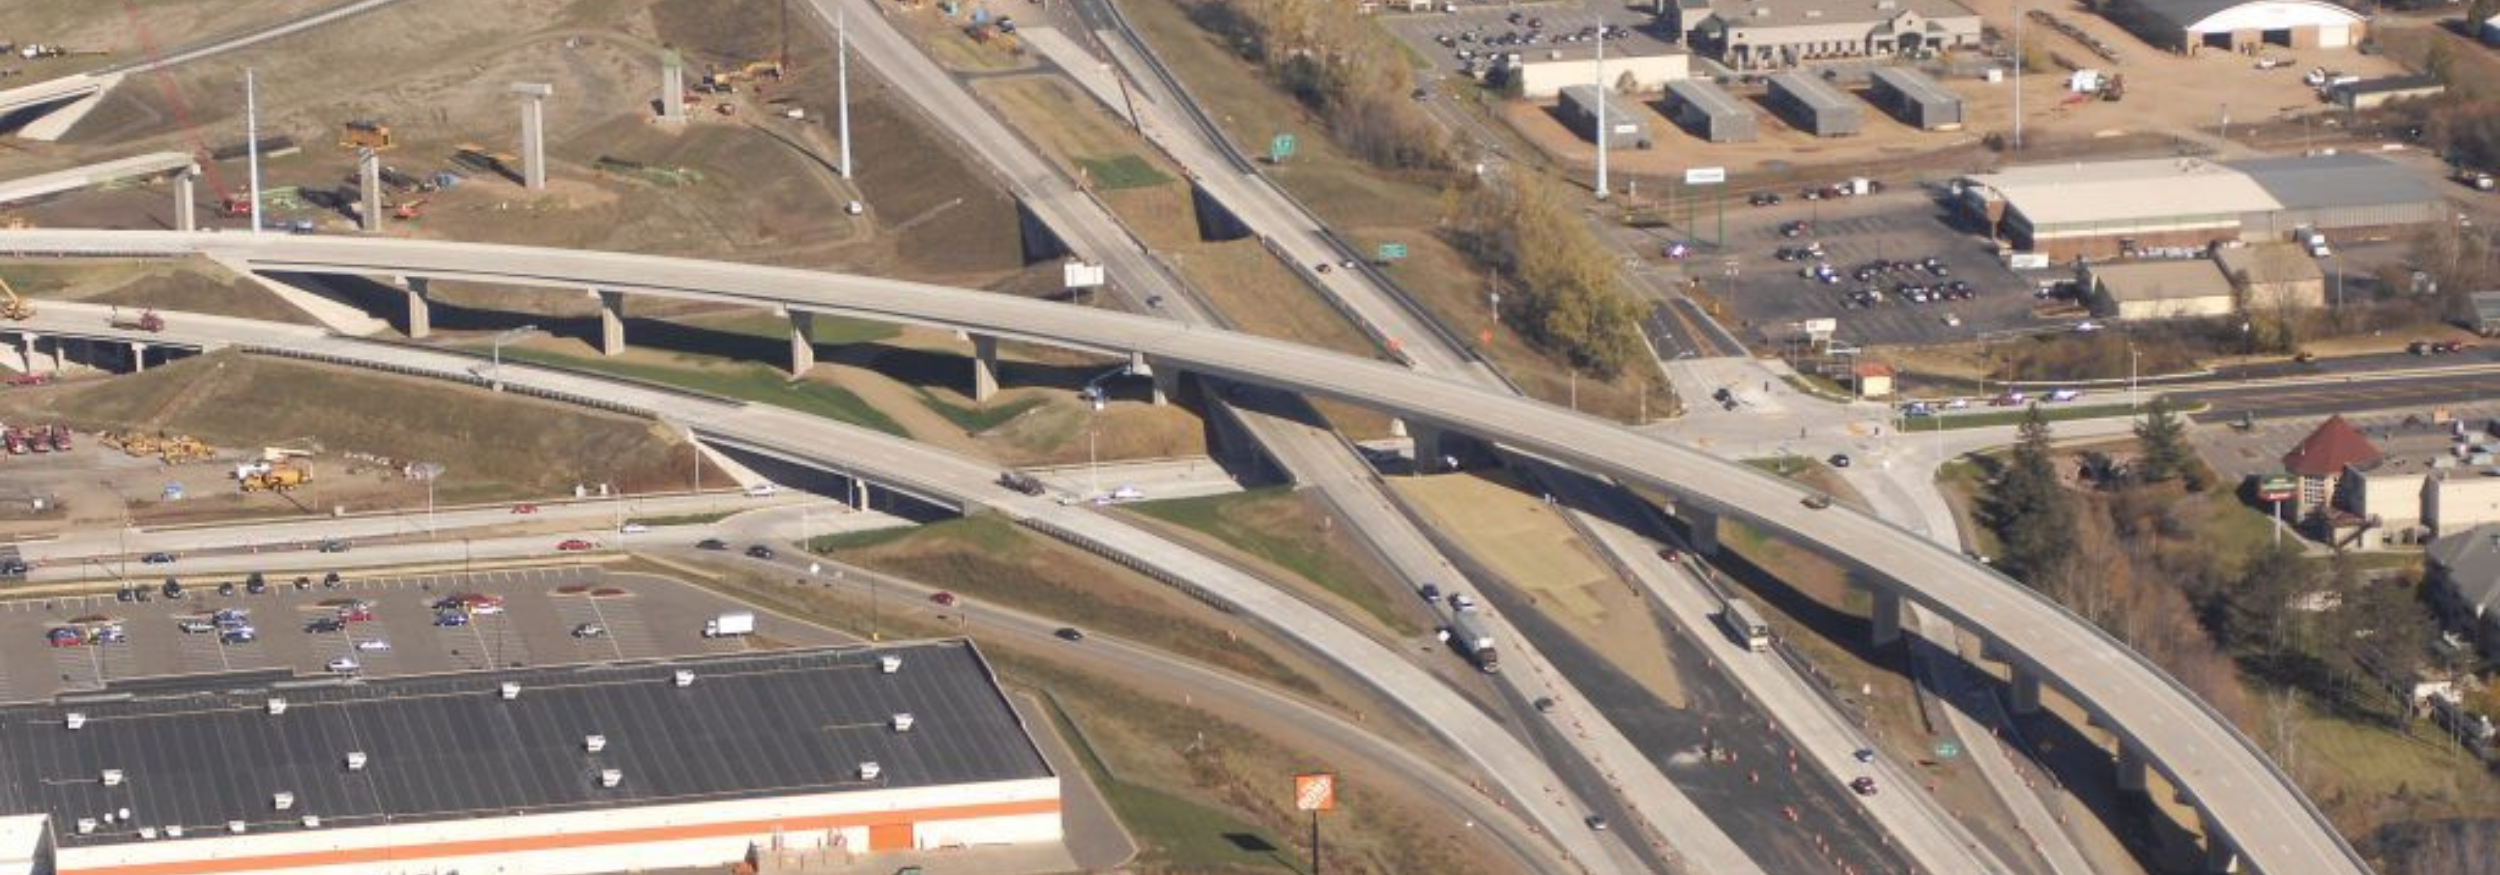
356, 614
159, 557
322, 625
449, 619
575, 545
172, 588
195, 625
590, 630
226, 589
238, 635
373, 645
65, 638
256, 584
344, 665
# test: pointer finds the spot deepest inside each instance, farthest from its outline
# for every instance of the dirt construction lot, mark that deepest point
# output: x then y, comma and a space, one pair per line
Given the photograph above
643, 617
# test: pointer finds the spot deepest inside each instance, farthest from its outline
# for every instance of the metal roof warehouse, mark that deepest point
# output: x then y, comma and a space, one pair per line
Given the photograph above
2099, 209
551, 770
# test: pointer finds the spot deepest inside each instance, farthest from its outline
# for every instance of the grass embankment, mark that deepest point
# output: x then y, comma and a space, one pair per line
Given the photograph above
683, 519
988, 558
975, 420
746, 381
190, 285
1370, 206
494, 445
1292, 531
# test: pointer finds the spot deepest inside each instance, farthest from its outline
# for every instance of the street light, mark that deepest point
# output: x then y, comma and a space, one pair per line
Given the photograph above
428, 472
499, 341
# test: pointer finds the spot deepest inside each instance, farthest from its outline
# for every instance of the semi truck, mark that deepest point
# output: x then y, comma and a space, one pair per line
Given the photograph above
729, 624
1468, 632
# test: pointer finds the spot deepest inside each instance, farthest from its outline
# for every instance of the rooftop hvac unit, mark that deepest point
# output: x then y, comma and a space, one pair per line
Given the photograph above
112, 777
173, 830
889, 664
147, 832
122, 815
277, 706
594, 743
75, 720
902, 722
282, 800
868, 771
236, 827
511, 690
355, 760
312, 821
86, 826
685, 677
611, 777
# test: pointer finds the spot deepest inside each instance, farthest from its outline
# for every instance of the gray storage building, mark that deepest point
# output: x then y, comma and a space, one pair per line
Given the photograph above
1708, 111
2346, 196
1624, 121
1814, 106
1915, 99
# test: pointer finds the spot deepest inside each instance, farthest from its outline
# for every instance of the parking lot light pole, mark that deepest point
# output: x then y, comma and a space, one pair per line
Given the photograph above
428, 472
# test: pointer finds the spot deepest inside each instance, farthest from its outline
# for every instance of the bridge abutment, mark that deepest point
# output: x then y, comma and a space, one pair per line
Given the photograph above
611, 322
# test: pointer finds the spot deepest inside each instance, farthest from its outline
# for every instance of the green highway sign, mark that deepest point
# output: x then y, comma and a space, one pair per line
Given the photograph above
1280, 148
1948, 749
1392, 251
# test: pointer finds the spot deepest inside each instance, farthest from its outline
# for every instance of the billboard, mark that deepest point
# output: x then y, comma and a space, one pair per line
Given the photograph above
1080, 275
1315, 792
1705, 176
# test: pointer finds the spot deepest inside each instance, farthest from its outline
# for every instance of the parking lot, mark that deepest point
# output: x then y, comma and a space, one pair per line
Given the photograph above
1875, 307
536, 622
1484, 29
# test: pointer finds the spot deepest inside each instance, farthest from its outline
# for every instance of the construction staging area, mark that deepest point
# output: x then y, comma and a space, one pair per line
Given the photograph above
693, 762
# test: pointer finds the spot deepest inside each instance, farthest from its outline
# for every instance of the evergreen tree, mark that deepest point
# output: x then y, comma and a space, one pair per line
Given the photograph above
2163, 438
2031, 511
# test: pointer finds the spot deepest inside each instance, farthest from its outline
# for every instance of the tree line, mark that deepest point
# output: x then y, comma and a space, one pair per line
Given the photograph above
1349, 72
1568, 296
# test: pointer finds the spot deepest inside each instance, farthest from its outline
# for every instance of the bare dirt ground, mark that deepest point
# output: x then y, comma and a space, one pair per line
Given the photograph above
107, 27
174, 285
2167, 94
768, 188
1530, 546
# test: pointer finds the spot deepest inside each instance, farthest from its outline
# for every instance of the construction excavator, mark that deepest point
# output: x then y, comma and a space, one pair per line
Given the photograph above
17, 309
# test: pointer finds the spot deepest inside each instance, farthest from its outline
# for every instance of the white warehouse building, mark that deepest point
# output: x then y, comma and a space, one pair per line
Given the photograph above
702, 762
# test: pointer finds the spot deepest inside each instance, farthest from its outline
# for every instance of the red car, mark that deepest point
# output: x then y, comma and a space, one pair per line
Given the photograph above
1670, 555
356, 615
29, 379
525, 508
65, 638
571, 545
943, 598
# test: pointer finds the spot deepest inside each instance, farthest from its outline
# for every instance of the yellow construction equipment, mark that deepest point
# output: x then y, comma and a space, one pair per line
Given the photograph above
184, 448
362, 134
141, 444
277, 479
17, 309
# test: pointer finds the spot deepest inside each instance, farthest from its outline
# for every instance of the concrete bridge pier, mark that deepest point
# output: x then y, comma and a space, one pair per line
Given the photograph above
2134, 771
138, 357
611, 321
2026, 693
2220, 856
30, 353
1165, 385
984, 367
186, 200
802, 343
1885, 615
1701, 526
420, 311
858, 496
1431, 448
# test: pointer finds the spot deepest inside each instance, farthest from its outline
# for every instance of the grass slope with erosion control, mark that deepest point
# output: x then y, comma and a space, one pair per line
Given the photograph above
492, 444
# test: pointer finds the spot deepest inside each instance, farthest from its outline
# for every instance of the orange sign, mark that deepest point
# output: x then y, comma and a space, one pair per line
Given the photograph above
1315, 792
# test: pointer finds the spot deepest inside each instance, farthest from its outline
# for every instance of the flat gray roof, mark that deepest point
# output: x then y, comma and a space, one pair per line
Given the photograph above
1793, 13
2162, 280
2486, 305
2391, 84
199, 752
1916, 85
1710, 97
2327, 181
1813, 91
1618, 110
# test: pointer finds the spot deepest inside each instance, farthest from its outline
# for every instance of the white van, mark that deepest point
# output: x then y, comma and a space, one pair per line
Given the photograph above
763, 490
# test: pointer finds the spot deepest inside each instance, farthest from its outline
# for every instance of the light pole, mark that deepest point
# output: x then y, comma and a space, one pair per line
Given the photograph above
428, 472
2133, 402
499, 341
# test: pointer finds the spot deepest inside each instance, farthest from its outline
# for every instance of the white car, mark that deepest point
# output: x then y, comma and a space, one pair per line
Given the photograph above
344, 665
485, 608
763, 490
373, 644
633, 529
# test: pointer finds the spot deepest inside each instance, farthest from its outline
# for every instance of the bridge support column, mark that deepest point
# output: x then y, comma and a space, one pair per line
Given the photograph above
984, 367
369, 190
1431, 450
2026, 694
858, 494
186, 200
1163, 385
30, 351
1886, 615
138, 357
802, 343
611, 322
420, 311
2133, 770
2220, 856
1701, 526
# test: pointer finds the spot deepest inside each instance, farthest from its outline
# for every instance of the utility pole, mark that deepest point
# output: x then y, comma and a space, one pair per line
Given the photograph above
2018, 77
842, 77
1603, 134
251, 139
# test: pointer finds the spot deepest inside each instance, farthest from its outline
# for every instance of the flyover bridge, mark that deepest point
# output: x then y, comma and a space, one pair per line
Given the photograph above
2248, 805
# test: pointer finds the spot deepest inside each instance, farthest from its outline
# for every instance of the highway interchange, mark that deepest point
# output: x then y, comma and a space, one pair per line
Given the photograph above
1440, 388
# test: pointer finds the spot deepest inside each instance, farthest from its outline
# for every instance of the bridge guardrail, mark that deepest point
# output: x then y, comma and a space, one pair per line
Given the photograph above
451, 376
575, 370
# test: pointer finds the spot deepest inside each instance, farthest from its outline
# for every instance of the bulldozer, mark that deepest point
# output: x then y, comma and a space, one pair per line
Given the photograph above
183, 448
18, 309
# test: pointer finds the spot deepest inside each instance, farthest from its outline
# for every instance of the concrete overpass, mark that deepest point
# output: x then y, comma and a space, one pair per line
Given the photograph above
2250, 808
184, 169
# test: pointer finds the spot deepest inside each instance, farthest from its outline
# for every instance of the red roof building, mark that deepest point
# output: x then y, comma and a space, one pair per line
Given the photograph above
2328, 450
